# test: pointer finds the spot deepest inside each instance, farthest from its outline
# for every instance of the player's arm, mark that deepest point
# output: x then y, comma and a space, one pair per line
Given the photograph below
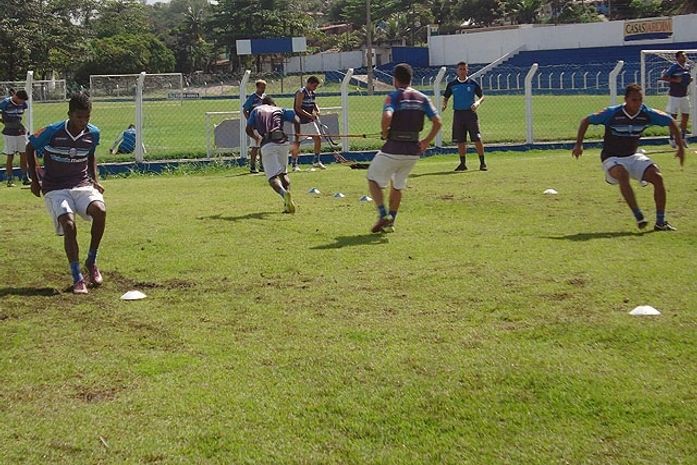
582, 128
480, 96
31, 165
677, 137
385, 123
298, 107
92, 171
446, 96
436, 124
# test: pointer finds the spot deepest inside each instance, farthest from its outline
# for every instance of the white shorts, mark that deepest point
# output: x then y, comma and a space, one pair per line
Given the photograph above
274, 157
310, 129
387, 167
678, 105
75, 200
14, 144
636, 165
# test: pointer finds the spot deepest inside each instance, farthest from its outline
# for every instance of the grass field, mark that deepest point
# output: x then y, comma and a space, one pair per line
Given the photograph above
491, 328
174, 130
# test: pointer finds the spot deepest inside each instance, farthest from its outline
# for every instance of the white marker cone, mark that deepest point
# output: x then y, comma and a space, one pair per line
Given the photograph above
133, 295
550, 192
644, 310
366, 198
314, 191
339, 195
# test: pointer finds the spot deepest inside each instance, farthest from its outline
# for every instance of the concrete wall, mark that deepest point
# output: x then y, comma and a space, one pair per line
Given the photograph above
328, 61
487, 46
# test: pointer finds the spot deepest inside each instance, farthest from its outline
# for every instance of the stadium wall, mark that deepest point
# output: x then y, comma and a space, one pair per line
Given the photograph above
487, 46
328, 61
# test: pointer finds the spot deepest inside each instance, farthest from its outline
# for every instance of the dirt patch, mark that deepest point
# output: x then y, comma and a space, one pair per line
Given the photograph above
123, 281
578, 282
94, 394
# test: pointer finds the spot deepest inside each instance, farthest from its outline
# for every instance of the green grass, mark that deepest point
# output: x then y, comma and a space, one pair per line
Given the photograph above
174, 130
491, 328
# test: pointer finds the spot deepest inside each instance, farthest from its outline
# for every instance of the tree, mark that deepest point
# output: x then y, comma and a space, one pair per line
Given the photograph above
115, 17
126, 54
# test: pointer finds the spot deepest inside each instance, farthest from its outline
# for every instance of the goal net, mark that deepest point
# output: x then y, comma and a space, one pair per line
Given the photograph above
654, 63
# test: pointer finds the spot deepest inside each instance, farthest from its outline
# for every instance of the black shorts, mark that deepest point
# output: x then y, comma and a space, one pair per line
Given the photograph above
465, 121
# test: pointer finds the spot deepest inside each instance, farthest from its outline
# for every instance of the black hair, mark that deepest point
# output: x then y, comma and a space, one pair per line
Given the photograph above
632, 88
267, 100
678, 53
460, 63
313, 80
403, 73
22, 94
80, 101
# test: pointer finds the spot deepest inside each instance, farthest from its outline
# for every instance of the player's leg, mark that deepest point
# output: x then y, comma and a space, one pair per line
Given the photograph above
684, 120
671, 141
254, 153
653, 175
378, 176
621, 175
459, 136
399, 182
72, 251
96, 210
9, 174
317, 160
476, 137
24, 166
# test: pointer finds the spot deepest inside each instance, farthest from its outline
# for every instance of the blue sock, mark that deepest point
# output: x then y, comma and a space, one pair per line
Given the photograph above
92, 256
638, 214
393, 214
75, 271
660, 217
316, 159
382, 211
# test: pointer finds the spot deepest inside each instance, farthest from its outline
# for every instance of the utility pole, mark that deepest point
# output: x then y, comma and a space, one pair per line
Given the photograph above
369, 43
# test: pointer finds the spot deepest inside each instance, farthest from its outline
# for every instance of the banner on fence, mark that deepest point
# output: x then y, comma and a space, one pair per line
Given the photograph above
647, 29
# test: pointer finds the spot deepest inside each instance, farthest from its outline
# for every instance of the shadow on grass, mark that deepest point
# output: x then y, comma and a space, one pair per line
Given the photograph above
248, 216
596, 235
441, 173
350, 241
29, 291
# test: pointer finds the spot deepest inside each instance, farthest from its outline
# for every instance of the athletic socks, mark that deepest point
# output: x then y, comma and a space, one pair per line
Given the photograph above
91, 257
393, 214
382, 211
660, 217
75, 271
638, 214
316, 158
481, 159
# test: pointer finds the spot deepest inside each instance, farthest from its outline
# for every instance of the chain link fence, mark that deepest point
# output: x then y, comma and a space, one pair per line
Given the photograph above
183, 116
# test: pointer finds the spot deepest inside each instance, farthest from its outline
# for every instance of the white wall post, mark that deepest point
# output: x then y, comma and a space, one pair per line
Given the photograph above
437, 102
345, 109
612, 82
139, 152
29, 87
528, 102
243, 124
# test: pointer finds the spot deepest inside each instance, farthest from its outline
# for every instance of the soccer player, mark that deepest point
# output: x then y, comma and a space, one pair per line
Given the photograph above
307, 110
70, 184
679, 78
126, 142
265, 125
252, 102
402, 121
467, 98
14, 133
621, 160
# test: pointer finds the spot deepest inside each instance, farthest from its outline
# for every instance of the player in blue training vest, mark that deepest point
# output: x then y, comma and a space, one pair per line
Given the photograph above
251, 103
306, 108
621, 158
679, 78
402, 120
126, 142
70, 183
14, 133
467, 96
265, 125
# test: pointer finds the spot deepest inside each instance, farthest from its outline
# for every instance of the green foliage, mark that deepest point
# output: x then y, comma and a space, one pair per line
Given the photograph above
127, 54
118, 17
